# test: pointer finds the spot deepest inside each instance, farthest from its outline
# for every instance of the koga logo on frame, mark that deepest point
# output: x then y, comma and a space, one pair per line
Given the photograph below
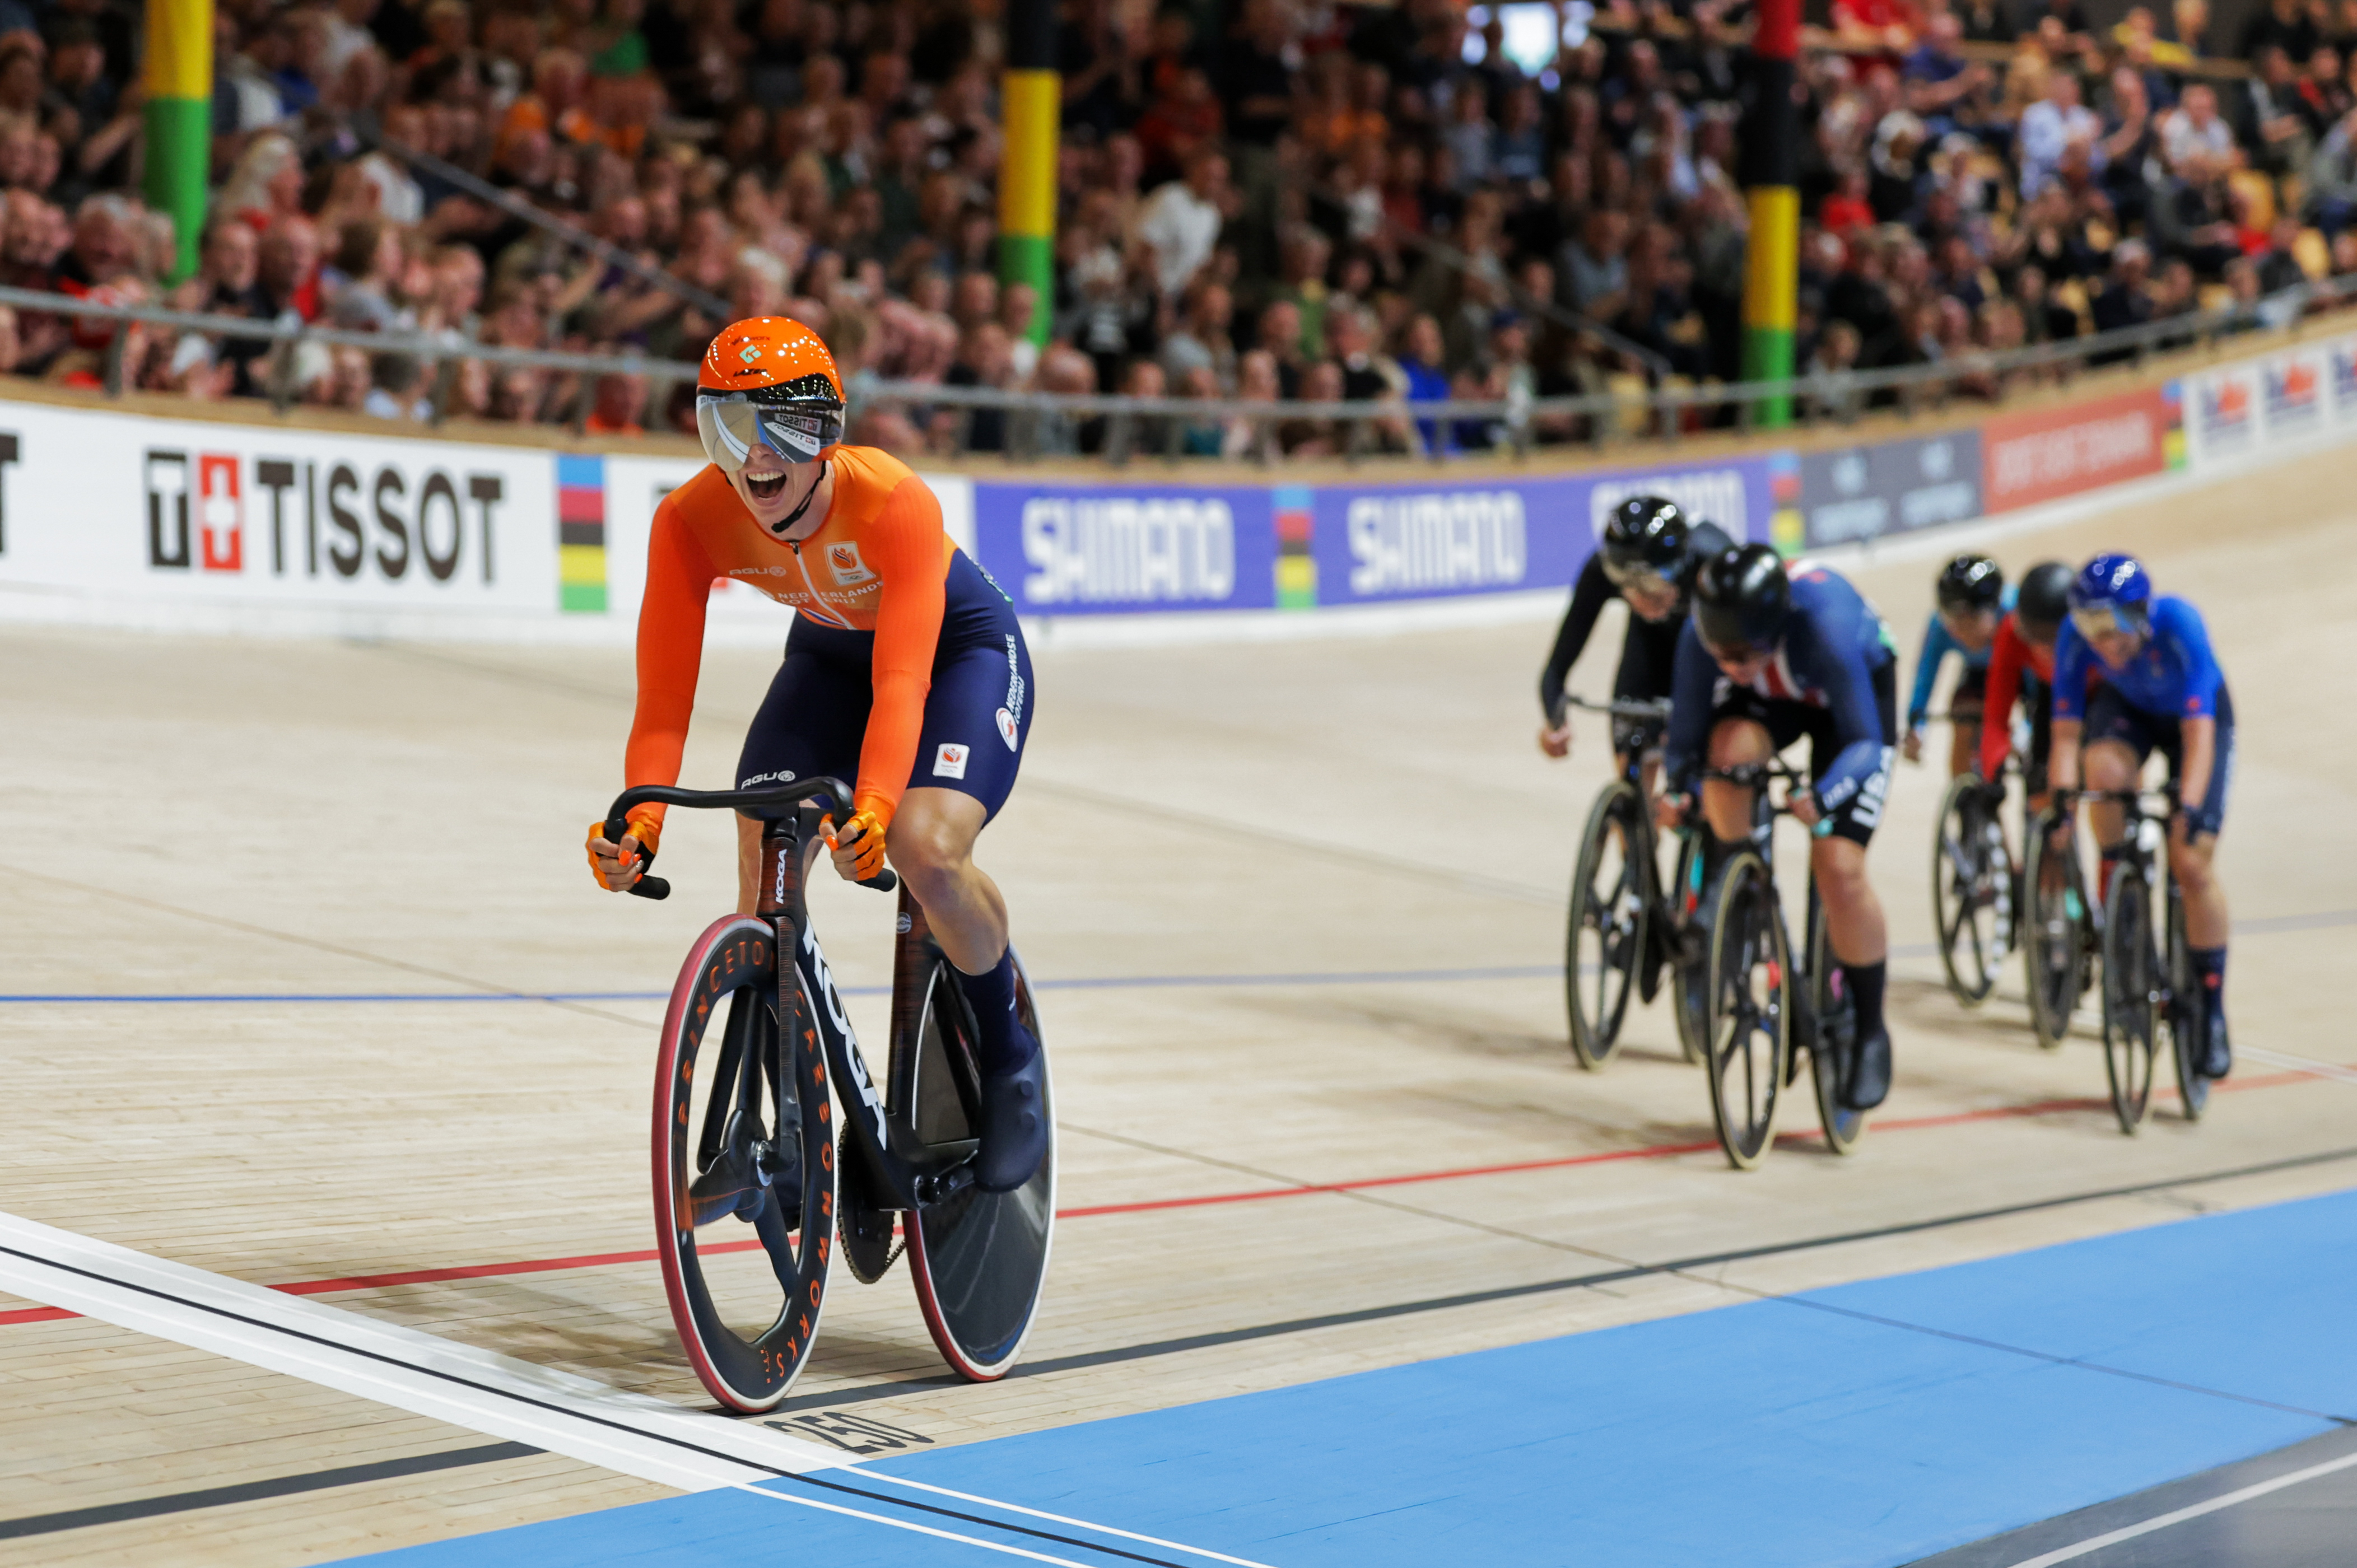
198, 516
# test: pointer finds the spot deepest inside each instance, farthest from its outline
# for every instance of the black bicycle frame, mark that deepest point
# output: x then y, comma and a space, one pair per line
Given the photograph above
908, 1174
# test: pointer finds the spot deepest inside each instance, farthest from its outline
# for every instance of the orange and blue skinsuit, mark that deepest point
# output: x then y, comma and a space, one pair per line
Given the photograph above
904, 667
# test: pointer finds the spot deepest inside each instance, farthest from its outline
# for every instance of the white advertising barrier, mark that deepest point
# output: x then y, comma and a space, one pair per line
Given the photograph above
2304, 394
119, 518
129, 519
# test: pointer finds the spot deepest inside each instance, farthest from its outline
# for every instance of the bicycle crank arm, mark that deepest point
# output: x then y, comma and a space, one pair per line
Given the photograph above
942, 1187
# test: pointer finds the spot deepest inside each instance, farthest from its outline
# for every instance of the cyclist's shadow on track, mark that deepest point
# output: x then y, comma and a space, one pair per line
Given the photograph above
631, 1346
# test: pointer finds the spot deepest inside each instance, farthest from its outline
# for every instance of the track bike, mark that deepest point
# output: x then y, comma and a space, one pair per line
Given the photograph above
1973, 885
1764, 1008
2152, 1000
2061, 926
1625, 925
756, 1141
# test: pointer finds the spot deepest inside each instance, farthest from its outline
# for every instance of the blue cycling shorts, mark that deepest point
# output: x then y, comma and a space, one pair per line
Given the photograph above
2110, 716
977, 715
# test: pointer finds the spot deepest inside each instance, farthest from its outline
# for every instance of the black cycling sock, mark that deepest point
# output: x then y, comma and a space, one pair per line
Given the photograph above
2210, 964
1004, 1045
1865, 991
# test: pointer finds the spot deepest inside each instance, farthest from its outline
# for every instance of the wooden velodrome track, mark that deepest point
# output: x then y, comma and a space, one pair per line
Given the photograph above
1298, 910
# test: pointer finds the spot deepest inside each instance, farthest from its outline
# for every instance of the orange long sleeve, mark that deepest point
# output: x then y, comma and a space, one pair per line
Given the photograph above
905, 539
671, 651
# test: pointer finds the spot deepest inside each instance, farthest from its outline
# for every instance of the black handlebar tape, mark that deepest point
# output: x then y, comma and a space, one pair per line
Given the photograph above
651, 887
883, 882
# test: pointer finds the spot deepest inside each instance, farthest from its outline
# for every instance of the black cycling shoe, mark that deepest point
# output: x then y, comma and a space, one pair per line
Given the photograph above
1649, 963
1869, 1073
2217, 1052
1014, 1125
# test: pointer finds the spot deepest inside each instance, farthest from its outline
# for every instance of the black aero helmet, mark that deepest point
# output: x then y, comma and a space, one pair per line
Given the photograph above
1741, 598
2044, 600
1645, 536
1971, 582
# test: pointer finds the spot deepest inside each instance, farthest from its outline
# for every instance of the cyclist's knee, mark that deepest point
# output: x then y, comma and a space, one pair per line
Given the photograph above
1737, 741
1840, 868
2111, 765
931, 848
2190, 865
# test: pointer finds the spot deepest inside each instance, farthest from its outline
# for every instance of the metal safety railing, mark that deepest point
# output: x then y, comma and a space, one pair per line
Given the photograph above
1117, 429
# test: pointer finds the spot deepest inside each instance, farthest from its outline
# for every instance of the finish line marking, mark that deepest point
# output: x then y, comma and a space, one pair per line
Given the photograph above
478, 1390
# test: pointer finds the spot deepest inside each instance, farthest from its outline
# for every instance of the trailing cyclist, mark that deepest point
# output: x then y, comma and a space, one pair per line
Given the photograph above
2134, 672
1767, 659
2021, 669
1968, 601
904, 669
1647, 559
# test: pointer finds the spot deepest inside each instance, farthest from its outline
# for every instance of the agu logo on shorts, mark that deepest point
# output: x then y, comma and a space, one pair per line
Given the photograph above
949, 760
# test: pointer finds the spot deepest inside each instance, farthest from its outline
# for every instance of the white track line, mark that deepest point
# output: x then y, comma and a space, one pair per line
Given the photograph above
921, 1529
2309, 1065
480, 1390
2162, 1521
1057, 1518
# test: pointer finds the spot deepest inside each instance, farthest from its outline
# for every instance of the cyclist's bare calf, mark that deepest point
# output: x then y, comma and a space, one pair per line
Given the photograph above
1854, 918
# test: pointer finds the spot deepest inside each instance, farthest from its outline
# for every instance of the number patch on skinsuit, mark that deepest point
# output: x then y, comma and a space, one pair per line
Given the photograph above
949, 761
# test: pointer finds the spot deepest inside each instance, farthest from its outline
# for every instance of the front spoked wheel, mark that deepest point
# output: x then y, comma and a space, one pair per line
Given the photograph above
2052, 954
744, 1168
980, 1259
2188, 1022
2132, 1010
1609, 908
1972, 892
1750, 1011
1836, 1021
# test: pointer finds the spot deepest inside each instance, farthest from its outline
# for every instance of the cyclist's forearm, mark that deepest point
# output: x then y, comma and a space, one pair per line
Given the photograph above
2063, 759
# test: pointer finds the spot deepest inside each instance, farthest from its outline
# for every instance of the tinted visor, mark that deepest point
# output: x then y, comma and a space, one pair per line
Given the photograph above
2111, 620
732, 424
1623, 574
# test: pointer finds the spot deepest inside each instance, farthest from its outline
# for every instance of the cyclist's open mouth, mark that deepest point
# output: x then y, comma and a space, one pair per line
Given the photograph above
766, 486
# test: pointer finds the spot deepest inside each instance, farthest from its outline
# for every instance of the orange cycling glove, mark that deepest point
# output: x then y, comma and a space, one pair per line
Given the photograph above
868, 851
647, 832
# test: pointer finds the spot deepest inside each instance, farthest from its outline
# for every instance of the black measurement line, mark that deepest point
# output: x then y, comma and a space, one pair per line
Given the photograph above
1114, 1357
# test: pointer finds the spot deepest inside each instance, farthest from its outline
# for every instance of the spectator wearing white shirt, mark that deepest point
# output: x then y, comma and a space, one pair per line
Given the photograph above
2050, 126
2195, 127
1183, 221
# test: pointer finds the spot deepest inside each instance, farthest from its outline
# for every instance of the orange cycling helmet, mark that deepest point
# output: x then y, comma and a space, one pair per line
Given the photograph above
769, 381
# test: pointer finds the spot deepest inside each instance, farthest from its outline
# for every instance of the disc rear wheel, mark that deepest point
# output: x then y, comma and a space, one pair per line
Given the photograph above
2051, 951
744, 1168
1609, 911
1836, 1025
2188, 1020
979, 1259
1750, 1013
2132, 1010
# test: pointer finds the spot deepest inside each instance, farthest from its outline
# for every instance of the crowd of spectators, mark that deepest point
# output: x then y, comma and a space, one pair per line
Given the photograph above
1258, 199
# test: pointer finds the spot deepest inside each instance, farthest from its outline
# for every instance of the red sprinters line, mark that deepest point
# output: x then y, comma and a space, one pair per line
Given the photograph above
1650, 1152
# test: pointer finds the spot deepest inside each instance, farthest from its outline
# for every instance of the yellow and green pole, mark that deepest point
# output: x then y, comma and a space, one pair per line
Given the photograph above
1771, 162
1031, 105
180, 119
